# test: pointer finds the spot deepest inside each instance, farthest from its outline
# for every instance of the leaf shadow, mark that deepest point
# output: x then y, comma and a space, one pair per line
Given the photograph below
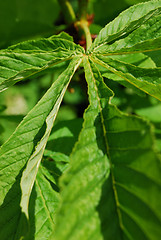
106, 210
32, 225
13, 222
106, 207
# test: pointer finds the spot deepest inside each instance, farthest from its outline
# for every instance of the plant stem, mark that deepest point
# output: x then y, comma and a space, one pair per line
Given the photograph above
70, 17
83, 24
68, 11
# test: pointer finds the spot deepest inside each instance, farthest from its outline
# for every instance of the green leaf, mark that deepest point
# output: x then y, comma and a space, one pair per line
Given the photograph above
64, 133
146, 38
153, 113
89, 167
138, 59
42, 208
44, 199
23, 141
128, 21
29, 174
145, 79
26, 59
130, 197
155, 56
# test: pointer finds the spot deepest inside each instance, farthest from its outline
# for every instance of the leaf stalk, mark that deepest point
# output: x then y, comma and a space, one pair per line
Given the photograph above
84, 25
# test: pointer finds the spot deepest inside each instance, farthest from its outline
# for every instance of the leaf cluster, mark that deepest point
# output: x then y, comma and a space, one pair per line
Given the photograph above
96, 177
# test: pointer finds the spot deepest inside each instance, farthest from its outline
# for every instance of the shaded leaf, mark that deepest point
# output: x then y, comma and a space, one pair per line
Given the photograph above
135, 177
153, 113
109, 8
64, 133
26, 19
155, 56
29, 174
42, 208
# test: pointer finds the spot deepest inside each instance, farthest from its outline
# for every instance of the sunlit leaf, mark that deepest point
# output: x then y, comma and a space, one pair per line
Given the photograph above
144, 19
23, 60
145, 79
23, 140
128, 206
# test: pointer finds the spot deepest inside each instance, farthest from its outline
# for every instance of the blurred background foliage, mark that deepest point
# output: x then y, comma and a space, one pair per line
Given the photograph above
27, 19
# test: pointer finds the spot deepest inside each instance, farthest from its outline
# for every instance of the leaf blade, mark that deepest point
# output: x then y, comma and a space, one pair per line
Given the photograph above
12, 161
145, 79
42, 209
133, 161
144, 39
22, 139
26, 59
83, 181
126, 22
29, 174
124, 218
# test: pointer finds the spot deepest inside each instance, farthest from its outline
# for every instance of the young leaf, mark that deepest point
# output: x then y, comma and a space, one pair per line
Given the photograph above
31, 57
146, 79
128, 21
137, 59
131, 194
